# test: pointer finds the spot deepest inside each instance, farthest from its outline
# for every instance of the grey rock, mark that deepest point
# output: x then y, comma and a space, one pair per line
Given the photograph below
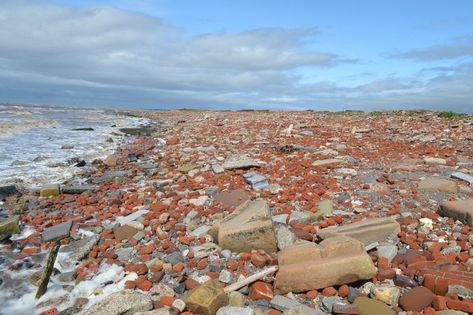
217, 169
225, 276
122, 302
280, 218
174, 258
284, 236
239, 161
306, 133
76, 251
110, 176
461, 291
256, 181
77, 189
327, 302
298, 217
57, 232
462, 176
388, 251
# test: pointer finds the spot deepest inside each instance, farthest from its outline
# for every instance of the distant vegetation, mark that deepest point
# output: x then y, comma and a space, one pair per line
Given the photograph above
451, 115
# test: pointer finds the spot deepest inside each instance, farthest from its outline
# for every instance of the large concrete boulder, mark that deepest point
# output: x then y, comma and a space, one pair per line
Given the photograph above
461, 210
367, 231
248, 227
336, 260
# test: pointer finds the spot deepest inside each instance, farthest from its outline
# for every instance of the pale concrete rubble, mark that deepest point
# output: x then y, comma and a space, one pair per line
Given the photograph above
368, 231
336, 260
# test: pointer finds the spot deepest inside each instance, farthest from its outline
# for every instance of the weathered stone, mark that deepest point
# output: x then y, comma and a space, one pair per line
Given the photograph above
9, 226
336, 260
232, 198
325, 207
461, 210
233, 310
77, 250
124, 232
248, 227
327, 162
238, 161
111, 161
57, 232
110, 176
462, 176
461, 291
78, 189
123, 302
298, 217
437, 184
367, 232
416, 299
49, 191
367, 306
207, 298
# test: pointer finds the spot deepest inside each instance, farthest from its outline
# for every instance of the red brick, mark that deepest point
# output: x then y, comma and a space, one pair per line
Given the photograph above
465, 306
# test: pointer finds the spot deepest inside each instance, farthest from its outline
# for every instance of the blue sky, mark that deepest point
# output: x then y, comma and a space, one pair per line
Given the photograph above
236, 54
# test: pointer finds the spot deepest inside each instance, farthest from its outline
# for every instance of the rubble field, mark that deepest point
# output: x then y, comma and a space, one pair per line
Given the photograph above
247, 213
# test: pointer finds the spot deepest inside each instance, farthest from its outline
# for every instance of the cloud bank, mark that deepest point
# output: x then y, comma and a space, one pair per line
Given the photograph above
107, 56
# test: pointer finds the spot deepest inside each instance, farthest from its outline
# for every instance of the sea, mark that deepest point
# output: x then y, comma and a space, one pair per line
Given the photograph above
42, 144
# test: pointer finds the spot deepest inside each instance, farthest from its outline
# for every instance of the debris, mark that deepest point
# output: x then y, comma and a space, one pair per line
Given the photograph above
256, 181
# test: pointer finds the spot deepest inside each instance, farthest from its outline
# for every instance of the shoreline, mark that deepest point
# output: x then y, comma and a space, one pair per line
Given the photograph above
154, 215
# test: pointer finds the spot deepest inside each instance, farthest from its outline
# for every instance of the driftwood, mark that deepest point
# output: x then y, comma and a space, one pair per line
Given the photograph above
48, 270
237, 285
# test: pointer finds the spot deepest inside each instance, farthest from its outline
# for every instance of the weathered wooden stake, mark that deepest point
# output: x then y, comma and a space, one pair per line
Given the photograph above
43, 283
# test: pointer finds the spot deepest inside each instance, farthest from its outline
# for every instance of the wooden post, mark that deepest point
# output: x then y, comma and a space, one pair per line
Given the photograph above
43, 284
235, 286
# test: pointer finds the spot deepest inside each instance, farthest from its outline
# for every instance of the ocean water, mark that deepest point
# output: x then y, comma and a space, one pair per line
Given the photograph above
38, 144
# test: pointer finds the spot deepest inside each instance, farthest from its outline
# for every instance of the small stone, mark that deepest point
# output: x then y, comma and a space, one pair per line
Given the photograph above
416, 299
256, 181
174, 258
434, 161
179, 304
340, 308
285, 238
217, 169
225, 276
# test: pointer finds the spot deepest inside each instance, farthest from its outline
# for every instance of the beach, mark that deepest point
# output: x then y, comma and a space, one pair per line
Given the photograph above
333, 212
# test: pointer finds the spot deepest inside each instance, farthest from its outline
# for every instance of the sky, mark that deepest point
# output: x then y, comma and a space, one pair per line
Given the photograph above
289, 55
